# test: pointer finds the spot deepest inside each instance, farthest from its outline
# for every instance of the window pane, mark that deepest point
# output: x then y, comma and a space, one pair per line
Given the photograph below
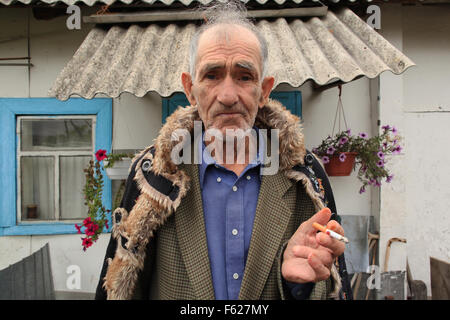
72, 180
37, 181
50, 134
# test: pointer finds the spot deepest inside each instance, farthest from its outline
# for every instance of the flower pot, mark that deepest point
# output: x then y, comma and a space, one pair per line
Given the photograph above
338, 168
120, 170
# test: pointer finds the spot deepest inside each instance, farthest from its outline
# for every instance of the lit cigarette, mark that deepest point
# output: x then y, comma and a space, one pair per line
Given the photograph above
329, 232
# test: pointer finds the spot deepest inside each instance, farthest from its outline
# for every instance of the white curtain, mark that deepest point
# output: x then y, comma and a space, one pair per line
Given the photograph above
72, 180
38, 186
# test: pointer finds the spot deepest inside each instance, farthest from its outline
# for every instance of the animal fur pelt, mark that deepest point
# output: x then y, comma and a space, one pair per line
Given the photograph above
152, 207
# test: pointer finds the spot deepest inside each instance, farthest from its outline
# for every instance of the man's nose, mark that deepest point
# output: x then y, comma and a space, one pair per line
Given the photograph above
228, 92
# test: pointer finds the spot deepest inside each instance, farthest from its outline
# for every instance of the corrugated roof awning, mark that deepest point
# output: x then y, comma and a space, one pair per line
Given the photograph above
337, 46
164, 2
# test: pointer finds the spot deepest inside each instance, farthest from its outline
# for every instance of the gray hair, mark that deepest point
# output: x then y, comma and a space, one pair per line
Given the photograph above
228, 12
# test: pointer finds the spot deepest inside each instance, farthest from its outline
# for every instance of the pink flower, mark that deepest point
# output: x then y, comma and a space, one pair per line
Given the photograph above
325, 159
331, 150
362, 190
342, 157
78, 228
100, 155
397, 149
343, 141
389, 178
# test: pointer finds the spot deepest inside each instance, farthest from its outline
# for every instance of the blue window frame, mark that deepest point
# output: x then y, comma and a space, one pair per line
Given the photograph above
292, 100
10, 109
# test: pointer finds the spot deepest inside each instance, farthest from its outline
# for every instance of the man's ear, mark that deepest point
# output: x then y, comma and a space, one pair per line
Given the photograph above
267, 85
186, 79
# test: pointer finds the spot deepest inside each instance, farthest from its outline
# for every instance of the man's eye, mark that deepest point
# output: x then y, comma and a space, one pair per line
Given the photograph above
210, 76
246, 78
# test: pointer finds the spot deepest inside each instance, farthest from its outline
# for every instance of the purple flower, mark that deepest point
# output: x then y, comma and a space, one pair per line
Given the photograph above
331, 150
362, 190
325, 159
385, 145
394, 130
380, 155
343, 140
377, 183
349, 132
386, 127
363, 135
397, 149
380, 163
314, 150
342, 157
389, 178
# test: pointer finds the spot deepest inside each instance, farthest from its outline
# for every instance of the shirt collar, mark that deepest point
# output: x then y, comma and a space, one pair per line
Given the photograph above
207, 160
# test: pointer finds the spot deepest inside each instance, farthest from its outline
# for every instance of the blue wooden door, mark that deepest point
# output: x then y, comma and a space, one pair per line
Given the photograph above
292, 100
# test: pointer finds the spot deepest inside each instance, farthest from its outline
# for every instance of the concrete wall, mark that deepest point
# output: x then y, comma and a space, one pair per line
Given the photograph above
414, 205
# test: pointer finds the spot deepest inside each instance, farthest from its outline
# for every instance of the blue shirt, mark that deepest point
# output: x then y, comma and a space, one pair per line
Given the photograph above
229, 206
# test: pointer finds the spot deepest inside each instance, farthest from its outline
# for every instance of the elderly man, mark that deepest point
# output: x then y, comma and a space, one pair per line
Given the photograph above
221, 229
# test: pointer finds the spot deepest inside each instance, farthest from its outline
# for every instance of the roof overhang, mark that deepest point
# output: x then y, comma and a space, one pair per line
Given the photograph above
338, 46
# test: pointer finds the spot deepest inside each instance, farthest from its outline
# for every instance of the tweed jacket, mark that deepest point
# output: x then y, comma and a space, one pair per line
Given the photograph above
158, 247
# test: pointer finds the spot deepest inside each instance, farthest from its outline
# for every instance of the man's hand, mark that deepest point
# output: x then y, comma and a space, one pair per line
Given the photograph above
309, 255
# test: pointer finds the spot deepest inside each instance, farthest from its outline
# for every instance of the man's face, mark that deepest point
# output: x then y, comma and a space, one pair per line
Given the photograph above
227, 87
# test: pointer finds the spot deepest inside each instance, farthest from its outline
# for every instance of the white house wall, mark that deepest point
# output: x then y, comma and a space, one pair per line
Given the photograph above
136, 122
415, 205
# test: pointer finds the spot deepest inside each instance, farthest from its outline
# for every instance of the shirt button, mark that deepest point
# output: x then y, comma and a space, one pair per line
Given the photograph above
235, 276
234, 188
234, 232
219, 179
248, 178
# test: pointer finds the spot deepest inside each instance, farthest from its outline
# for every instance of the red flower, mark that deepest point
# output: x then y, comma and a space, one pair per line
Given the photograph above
100, 155
106, 224
87, 242
87, 221
91, 229
78, 228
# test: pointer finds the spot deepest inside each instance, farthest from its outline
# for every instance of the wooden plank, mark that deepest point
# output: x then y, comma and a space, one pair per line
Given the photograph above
187, 15
440, 279
5, 284
28, 279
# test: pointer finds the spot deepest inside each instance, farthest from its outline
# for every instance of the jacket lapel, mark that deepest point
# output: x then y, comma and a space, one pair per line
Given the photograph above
271, 220
191, 234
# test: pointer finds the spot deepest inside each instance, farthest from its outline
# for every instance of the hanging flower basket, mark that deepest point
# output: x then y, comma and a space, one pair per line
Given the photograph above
119, 170
341, 165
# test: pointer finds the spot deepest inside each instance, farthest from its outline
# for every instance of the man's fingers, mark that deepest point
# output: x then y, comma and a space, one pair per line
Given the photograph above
321, 271
321, 217
336, 227
324, 256
336, 246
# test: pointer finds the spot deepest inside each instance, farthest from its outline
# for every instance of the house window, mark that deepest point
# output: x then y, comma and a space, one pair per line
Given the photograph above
51, 156
45, 146
292, 100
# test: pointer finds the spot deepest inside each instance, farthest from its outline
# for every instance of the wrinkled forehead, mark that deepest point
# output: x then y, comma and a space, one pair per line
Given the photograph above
229, 35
